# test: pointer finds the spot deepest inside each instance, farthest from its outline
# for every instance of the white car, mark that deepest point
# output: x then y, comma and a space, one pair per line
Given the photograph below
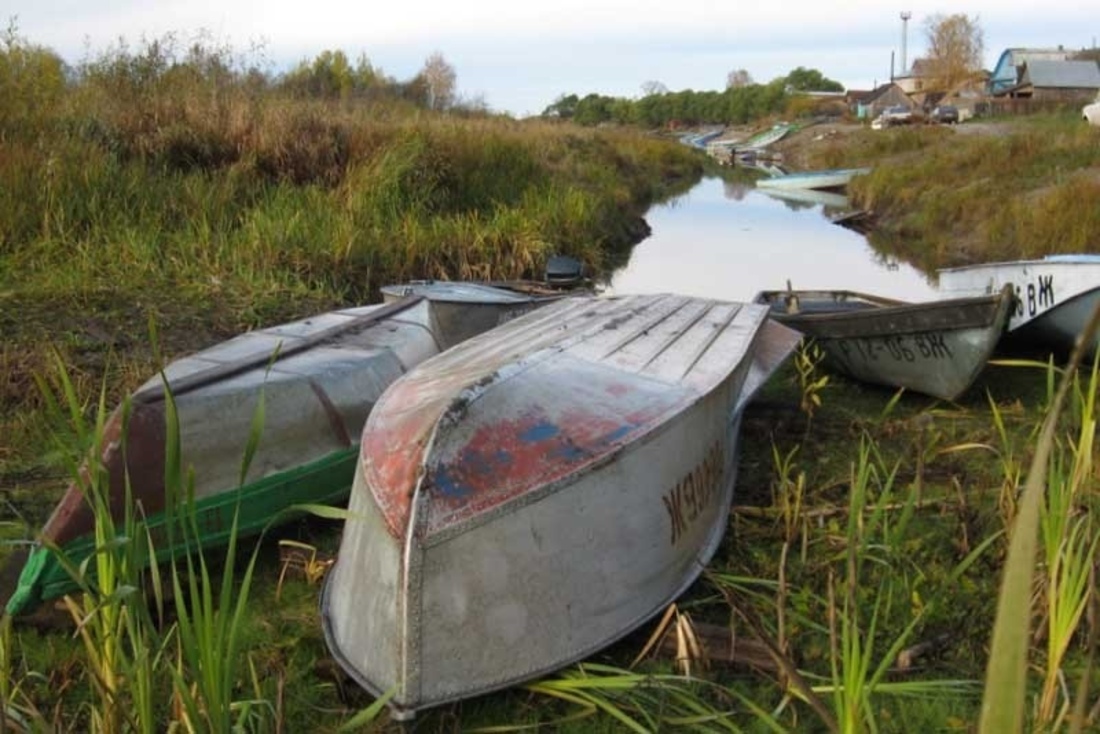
1091, 113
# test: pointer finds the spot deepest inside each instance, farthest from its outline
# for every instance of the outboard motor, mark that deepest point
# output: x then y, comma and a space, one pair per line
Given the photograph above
563, 271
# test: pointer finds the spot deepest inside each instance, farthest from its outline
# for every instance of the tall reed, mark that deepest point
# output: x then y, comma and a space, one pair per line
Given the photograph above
209, 612
120, 642
1070, 546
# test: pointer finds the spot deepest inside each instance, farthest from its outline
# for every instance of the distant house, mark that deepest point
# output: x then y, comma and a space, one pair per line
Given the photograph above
1055, 81
1006, 74
922, 87
885, 95
914, 81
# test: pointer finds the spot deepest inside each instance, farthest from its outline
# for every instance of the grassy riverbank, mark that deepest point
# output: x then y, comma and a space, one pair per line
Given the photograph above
981, 191
870, 530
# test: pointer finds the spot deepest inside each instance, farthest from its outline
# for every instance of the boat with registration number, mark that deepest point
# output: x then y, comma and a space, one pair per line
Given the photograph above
937, 348
1055, 296
539, 491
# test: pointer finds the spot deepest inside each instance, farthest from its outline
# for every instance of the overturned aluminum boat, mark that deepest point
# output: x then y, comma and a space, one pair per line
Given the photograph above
320, 378
540, 490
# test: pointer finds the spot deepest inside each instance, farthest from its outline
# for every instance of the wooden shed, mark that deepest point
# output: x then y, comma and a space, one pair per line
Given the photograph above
1056, 82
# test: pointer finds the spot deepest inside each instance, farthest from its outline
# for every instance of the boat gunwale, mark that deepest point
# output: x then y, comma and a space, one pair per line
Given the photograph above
1068, 260
197, 380
949, 314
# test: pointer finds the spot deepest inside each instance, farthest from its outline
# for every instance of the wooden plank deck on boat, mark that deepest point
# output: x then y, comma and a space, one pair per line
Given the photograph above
537, 492
936, 347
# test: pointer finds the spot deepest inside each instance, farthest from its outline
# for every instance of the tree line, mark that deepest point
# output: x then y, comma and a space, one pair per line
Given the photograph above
740, 102
31, 74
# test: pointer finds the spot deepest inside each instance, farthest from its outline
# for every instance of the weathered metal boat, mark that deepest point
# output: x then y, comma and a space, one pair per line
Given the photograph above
765, 138
823, 179
319, 376
540, 490
1054, 296
937, 347
823, 197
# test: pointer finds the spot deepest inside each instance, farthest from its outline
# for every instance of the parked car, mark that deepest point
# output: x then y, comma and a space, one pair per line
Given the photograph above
945, 114
1091, 113
897, 115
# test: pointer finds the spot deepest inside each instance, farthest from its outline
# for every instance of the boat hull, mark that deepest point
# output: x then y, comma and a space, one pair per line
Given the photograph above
936, 348
464, 309
828, 179
558, 504
1054, 296
827, 199
318, 377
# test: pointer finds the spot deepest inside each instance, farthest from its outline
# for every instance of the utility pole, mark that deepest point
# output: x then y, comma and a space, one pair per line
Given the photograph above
905, 16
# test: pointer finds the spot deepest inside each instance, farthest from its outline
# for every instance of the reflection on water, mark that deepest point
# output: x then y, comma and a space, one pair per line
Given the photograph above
728, 240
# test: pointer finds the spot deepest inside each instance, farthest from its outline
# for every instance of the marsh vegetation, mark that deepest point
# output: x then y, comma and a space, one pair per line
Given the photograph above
870, 532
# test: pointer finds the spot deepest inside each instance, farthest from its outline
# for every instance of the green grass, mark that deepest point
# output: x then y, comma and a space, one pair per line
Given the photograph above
943, 197
892, 543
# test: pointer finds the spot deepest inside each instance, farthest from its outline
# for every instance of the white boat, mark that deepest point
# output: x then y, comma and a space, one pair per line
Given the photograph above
936, 347
1055, 296
537, 492
319, 377
830, 178
826, 199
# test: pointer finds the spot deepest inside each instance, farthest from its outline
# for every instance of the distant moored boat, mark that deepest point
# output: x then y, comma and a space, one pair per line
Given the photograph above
824, 179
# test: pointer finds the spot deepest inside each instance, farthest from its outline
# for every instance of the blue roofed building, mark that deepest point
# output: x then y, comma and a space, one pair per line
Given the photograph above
1006, 74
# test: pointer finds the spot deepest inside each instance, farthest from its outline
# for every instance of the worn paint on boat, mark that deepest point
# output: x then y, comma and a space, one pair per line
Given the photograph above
937, 347
537, 492
1055, 296
824, 179
319, 377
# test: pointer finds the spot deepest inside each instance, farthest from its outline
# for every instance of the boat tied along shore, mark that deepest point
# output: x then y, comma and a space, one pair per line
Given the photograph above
937, 348
537, 492
1055, 296
833, 178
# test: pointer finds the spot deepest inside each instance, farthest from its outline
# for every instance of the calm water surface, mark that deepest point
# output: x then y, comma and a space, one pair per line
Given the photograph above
729, 240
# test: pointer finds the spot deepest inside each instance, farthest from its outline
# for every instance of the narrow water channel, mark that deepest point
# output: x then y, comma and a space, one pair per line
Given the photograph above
730, 240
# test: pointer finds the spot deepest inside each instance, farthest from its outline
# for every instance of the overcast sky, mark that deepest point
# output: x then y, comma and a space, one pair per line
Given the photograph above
519, 56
